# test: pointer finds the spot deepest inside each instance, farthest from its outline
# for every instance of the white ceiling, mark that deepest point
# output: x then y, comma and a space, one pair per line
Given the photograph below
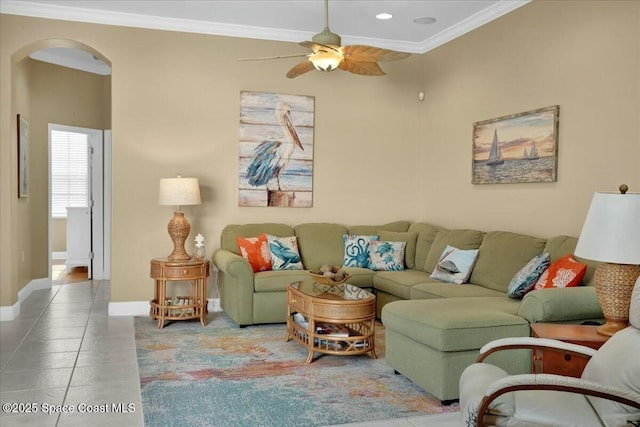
283, 20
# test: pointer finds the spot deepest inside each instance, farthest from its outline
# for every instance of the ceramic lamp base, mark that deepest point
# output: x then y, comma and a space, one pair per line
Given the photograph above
179, 229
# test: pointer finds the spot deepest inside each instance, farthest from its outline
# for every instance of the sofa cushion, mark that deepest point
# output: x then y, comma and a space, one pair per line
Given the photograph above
256, 251
399, 283
232, 231
277, 281
454, 265
320, 244
426, 234
461, 239
502, 254
284, 253
356, 249
373, 229
526, 278
559, 246
387, 256
564, 272
409, 237
455, 324
361, 277
437, 289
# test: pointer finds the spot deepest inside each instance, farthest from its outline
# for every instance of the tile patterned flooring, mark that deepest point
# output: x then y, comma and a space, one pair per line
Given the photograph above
64, 352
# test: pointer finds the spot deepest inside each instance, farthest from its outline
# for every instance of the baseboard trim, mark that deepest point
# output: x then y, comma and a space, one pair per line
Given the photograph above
9, 313
141, 308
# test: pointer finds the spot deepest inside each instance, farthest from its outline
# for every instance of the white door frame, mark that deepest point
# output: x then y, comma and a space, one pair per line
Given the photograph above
100, 174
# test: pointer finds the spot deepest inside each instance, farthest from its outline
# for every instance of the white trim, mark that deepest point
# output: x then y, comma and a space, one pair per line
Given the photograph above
59, 255
129, 308
471, 23
66, 13
141, 308
8, 313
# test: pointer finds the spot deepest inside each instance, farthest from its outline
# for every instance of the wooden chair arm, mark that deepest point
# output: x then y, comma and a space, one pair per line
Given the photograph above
532, 344
551, 382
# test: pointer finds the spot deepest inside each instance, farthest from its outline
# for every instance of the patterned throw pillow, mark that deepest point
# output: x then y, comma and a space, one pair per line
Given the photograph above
356, 250
386, 256
284, 253
525, 279
454, 265
256, 251
562, 273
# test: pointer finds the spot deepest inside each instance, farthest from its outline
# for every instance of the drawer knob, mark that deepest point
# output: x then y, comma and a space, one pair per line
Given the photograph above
184, 271
567, 357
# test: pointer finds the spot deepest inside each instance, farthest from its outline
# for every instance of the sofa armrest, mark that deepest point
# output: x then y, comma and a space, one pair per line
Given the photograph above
561, 305
232, 264
235, 283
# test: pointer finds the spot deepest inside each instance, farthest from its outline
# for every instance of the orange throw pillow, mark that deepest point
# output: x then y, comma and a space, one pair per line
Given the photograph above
256, 251
562, 273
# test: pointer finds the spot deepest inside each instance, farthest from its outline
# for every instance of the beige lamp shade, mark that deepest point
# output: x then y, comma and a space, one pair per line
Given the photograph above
611, 234
611, 231
179, 192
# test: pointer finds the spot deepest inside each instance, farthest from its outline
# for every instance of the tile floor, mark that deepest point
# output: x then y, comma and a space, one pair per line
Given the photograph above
64, 351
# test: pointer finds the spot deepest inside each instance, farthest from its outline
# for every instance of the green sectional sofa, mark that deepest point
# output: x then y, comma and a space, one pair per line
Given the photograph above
433, 329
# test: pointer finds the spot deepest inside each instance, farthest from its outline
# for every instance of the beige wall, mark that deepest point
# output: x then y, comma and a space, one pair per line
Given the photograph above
380, 154
59, 235
581, 55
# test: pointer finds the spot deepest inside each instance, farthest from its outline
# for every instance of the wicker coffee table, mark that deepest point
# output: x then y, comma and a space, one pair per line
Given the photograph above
331, 319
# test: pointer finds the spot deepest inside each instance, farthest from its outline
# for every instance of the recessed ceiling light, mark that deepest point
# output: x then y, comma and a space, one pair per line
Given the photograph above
384, 15
425, 21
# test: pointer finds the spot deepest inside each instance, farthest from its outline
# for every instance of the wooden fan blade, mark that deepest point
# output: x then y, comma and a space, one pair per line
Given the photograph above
295, 55
303, 67
364, 68
372, 54
315, 47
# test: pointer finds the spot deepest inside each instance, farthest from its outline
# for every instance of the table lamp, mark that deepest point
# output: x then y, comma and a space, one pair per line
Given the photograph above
611, 234
179, 192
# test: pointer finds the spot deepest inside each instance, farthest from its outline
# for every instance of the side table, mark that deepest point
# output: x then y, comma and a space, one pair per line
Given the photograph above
559, 362
193, 306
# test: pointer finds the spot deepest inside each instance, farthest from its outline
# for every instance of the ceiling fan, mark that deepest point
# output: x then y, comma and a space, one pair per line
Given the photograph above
327, 54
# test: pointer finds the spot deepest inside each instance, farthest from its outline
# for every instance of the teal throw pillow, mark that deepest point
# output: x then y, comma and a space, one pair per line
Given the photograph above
284, 253
356, 250
386, 256
525, 279
455, 265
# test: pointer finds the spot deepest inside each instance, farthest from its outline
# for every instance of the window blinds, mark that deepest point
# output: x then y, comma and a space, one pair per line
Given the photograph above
69, 171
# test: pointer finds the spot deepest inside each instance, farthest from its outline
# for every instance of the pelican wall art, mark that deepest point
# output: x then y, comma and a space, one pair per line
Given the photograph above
276, 150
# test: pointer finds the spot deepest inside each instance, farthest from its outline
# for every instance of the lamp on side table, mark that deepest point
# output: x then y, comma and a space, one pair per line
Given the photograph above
611, 234
179, 192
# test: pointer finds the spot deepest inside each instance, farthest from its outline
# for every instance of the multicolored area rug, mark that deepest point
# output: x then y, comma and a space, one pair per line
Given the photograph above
223, 375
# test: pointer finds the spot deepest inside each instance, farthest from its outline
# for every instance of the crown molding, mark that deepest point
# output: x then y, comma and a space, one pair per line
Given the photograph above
65, 13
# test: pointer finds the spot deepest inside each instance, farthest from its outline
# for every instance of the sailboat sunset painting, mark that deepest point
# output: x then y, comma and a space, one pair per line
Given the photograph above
517, 148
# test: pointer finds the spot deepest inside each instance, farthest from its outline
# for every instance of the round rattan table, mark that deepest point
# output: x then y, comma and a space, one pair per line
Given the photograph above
331, 319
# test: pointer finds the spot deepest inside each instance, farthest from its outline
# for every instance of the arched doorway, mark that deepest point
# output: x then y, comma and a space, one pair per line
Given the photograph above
69, 84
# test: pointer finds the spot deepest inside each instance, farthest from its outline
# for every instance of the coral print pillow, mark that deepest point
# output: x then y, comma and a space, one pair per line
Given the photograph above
386, 256
356, 250
454, 265
256, 251
562, 273
284, 253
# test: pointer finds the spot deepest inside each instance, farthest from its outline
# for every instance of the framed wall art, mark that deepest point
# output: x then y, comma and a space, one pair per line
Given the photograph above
276, 150
23, 157
517, 148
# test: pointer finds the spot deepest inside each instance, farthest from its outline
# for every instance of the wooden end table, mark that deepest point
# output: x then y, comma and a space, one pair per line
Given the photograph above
192, 306
560, 362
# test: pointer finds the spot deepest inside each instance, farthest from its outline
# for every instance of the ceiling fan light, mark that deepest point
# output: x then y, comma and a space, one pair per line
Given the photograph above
326, 61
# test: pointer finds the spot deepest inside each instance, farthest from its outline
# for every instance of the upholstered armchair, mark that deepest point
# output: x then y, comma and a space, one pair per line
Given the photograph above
607, 394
